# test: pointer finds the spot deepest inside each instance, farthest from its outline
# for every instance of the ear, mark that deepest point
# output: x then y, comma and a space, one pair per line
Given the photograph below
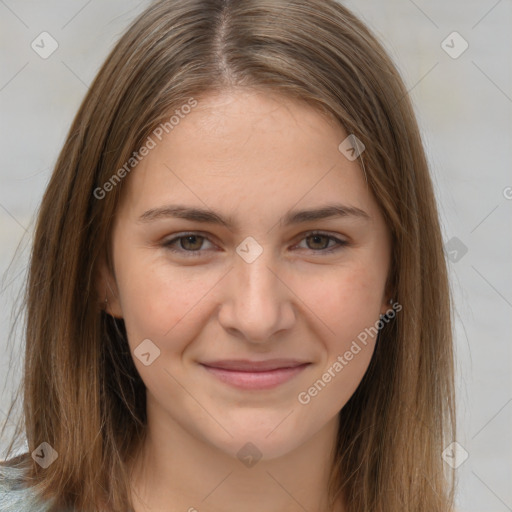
389, 295
386, 305
107, 291
387, 300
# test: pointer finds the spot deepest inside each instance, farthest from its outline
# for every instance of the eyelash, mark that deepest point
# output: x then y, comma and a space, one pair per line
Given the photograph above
168, 243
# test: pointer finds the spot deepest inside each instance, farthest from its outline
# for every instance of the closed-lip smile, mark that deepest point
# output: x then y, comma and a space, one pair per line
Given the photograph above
256, 375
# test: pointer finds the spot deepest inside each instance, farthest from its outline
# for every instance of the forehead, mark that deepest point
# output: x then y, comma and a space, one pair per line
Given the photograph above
245, 117
248, 148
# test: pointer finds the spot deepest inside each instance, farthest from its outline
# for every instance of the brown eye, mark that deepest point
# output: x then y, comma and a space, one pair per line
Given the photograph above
191, 242
188, 244
319, 242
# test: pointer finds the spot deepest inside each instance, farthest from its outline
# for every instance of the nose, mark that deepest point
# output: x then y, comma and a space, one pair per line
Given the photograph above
258, 302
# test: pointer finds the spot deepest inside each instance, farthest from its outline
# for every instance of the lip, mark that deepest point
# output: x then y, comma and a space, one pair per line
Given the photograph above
255, 375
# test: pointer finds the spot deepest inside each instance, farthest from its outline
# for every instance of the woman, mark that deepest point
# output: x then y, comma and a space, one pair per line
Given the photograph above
192, 345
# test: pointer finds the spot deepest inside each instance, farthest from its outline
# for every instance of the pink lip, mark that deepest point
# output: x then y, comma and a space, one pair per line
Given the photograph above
246, 374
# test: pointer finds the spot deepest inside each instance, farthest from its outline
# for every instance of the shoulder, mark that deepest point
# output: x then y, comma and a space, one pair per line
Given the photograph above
14, 495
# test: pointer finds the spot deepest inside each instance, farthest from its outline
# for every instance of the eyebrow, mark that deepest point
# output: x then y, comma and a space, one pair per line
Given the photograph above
291, 218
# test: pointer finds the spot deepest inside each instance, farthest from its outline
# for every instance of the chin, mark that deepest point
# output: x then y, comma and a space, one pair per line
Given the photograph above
261, 437
261, 448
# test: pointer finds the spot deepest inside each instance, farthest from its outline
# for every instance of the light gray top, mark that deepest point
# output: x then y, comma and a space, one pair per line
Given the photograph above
14, 497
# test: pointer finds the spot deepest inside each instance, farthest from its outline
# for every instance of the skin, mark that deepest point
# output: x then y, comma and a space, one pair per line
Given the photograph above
253, 157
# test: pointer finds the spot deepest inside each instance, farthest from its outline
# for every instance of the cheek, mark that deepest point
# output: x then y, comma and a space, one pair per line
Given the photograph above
166, 306
346, 300
347, 306
159, 300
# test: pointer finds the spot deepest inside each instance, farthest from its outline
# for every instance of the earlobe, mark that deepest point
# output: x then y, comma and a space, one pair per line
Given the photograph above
387, 305
111, 305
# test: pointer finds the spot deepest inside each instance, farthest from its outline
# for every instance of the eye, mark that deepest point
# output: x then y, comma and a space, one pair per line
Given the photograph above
319, 239
190, 244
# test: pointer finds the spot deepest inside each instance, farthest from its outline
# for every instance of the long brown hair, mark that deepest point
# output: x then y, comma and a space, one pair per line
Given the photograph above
77, 361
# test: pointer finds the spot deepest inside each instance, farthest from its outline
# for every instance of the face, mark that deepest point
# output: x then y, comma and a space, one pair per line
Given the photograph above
242, 319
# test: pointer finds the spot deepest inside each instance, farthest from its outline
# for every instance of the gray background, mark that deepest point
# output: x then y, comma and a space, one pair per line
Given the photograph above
464, 107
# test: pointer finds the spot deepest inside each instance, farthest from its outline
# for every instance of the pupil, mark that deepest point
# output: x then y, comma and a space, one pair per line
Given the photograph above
190, 238
316, 238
